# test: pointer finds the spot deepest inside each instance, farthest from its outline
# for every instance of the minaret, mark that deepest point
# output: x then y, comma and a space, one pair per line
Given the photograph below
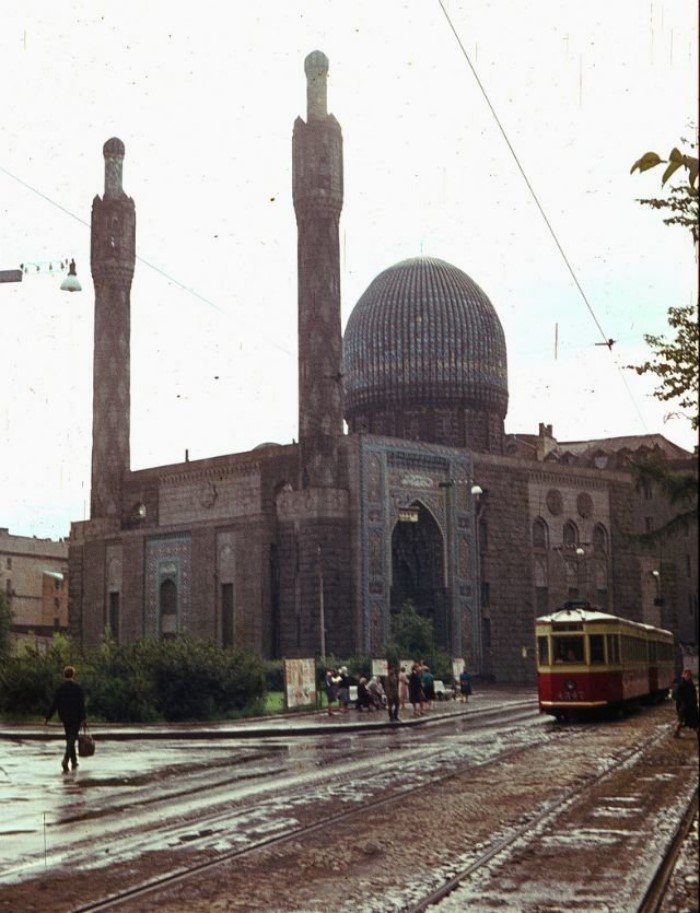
112, 258
318, 199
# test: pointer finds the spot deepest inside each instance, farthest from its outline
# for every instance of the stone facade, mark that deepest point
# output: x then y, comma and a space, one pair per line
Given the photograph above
309, 548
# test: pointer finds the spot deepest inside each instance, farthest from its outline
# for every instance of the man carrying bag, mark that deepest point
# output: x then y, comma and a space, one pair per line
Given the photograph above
69, 702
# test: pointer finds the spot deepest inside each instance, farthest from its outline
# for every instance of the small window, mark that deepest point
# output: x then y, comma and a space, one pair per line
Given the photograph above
539, 533
542, 651
9, 564
541, 600
570, 534
485, 594
483, 535
597, 648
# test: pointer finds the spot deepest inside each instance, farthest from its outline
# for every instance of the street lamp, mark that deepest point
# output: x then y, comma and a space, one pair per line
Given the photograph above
69, 284
321, 606
477, 622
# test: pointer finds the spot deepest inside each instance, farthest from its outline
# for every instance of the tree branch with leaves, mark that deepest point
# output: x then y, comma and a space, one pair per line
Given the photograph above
675, 361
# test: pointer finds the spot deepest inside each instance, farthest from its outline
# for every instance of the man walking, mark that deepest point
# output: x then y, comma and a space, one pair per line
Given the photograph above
392, 694
69, 701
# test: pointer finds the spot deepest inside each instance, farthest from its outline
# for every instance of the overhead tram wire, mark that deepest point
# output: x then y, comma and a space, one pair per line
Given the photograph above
605, 337
140, 259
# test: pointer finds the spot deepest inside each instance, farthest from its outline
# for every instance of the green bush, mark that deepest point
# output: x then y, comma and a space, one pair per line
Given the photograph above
200, 680
176, 680
29, 678
274, 675
118, 684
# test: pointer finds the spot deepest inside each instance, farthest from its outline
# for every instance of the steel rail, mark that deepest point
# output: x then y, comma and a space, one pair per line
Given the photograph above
658, 885
550, 812
168, 880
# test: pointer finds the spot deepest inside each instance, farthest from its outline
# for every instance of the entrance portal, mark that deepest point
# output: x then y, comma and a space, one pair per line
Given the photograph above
417, 562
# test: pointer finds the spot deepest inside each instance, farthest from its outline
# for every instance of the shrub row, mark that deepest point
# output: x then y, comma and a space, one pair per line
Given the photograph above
174, 680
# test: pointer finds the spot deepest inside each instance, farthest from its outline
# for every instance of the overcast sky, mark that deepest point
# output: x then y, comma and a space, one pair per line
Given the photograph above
205, 96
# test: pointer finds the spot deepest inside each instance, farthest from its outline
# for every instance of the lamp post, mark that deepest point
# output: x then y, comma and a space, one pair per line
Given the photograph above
476, 637
321, 606
69, 284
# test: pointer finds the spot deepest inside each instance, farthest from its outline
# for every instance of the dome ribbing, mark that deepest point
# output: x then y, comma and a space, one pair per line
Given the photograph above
424, 335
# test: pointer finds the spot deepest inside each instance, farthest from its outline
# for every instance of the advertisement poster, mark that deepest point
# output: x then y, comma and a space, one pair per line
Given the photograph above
300, 682
380, 667
457, 666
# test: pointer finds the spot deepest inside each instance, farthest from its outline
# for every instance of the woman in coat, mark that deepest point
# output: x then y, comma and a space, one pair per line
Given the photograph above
415, 689
686, 703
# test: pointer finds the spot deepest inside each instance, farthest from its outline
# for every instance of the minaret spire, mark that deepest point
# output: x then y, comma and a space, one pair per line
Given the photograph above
318, 201
112, 258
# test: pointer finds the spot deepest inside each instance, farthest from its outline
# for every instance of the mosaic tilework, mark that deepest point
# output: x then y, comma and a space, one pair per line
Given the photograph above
394, 477
168, 557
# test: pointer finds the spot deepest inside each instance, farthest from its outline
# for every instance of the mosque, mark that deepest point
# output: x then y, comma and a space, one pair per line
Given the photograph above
309, 548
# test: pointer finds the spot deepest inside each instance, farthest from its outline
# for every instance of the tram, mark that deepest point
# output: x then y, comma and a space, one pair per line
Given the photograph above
587, 659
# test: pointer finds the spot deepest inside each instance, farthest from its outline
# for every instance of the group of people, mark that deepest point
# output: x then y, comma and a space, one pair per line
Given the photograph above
337, 685
398, 690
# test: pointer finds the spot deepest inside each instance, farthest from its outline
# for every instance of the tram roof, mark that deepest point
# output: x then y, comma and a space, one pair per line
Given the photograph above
576, 613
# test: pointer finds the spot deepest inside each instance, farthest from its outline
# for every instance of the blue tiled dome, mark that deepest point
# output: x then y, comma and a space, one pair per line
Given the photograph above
424, 335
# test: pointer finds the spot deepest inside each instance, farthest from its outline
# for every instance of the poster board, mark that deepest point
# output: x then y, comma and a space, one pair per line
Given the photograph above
380, 667
457, 666
299, 683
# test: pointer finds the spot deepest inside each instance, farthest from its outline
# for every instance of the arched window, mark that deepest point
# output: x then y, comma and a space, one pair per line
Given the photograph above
483, 533
540, 533
600, 539
168, 608
570, 534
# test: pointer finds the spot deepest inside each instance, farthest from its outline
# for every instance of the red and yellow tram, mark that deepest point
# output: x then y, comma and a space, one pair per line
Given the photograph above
588, 659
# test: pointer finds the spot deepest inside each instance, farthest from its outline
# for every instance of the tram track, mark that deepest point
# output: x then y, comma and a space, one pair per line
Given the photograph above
212, 828
532, 832
280, 823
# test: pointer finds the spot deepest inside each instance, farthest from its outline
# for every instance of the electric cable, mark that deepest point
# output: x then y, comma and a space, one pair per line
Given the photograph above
604, 335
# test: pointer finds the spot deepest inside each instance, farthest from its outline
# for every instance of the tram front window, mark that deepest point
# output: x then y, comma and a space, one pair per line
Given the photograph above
568, 649
542, 651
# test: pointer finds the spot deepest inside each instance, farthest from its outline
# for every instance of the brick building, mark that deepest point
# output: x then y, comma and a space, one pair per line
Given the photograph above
426, 498
33, 577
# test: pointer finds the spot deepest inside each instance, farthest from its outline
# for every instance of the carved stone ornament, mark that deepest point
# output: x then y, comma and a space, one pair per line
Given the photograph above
584, 504
555, 502
207, 494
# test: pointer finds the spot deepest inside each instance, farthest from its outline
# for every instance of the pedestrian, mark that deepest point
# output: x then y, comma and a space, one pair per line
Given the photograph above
415, 690
344, 689
403, 687
375, 690
428, 682
465, 685
363, 700
686, 703
392, 694
69, 702
331, 682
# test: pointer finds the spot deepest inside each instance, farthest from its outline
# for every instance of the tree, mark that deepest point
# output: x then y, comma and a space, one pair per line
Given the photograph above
675, 361
412, 633
682, 199
5, 625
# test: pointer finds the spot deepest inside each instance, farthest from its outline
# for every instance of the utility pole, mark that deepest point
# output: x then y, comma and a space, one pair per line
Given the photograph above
321, 606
